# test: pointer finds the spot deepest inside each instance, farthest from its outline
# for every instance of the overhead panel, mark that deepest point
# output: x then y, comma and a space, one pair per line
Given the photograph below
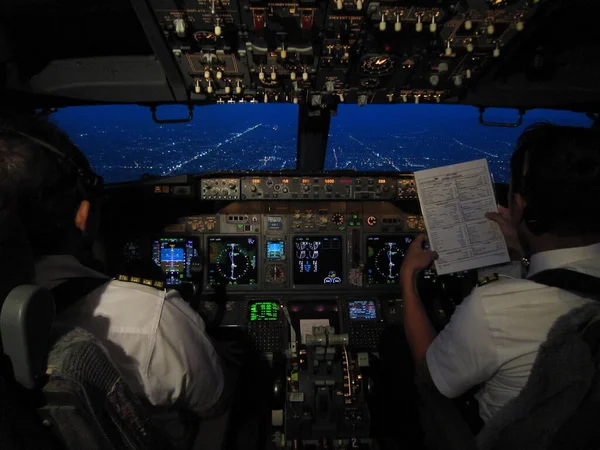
329, 52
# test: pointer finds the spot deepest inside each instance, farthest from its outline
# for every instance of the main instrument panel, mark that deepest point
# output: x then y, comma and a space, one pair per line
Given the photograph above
327, 246
296, 246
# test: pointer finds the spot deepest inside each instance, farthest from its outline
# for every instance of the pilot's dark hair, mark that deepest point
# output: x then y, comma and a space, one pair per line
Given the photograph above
42, 176
557, 171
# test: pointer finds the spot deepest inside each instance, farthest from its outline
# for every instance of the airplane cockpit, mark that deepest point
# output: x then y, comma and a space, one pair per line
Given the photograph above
259, 158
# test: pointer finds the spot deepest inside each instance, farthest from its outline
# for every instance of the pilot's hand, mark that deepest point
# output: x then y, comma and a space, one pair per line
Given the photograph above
502, 218
417, 258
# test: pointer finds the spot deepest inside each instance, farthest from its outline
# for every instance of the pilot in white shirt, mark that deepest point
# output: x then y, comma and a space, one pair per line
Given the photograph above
157, 341
154, 337
495, 334
493, 337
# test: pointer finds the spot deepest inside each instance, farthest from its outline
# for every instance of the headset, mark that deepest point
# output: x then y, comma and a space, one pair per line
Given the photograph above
89, 183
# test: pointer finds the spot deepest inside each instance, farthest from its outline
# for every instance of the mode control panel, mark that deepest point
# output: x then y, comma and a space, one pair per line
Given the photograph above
220, 189
319, 188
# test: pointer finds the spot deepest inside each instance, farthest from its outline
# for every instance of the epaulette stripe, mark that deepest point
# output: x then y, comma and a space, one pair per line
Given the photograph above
488, 280
138, 280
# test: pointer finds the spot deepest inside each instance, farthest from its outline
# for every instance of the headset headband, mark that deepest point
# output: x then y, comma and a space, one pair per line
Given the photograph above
89, 178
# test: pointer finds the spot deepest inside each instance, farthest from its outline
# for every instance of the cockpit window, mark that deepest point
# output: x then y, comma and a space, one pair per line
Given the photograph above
415, 137
123, 143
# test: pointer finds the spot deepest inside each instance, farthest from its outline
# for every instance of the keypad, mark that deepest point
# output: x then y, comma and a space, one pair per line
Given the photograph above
266, 336
365, 336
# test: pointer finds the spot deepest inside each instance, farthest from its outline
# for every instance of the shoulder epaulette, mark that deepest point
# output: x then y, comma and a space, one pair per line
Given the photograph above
140, 280
487, 280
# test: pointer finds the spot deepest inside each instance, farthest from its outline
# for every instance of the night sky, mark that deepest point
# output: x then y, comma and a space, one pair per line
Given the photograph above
123, 143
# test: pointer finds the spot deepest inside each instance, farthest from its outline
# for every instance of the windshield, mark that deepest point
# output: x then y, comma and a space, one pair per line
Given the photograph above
123, 142
415, 137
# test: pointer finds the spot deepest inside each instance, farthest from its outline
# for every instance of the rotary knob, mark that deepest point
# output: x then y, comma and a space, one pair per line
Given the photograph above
209, 306
253, 188
371, 221
306, 188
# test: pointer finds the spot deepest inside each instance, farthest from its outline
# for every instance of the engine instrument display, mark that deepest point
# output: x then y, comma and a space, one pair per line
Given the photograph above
232, 260
174, 257
263, 311
318, 260
384, 258
362, 310
276, 250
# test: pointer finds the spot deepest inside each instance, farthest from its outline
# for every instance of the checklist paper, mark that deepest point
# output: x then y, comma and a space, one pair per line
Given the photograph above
454, 200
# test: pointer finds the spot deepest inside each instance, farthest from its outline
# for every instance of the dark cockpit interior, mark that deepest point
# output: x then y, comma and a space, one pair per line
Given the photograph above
296, 258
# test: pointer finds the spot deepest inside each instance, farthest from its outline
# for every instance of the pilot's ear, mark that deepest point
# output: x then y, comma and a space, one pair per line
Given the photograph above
82, 215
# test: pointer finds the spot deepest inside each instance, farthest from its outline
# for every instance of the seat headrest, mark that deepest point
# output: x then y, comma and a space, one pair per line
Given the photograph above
26, 320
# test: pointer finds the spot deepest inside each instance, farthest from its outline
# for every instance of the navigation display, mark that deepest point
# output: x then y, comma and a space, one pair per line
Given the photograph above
384, 258
318, 260
174, 257
276, 250
263, 311
232, 260
362, 310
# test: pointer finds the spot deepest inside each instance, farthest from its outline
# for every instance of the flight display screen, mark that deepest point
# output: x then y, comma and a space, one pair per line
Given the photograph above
318, 260
232, 260
174, 257
276, 250
263, 311
384, 258
362, 310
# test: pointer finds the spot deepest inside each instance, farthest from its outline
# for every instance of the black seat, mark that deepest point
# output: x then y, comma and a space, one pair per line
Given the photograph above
86, 403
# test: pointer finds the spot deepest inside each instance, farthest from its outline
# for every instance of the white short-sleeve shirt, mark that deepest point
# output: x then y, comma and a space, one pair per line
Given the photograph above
158, 342
493, 337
